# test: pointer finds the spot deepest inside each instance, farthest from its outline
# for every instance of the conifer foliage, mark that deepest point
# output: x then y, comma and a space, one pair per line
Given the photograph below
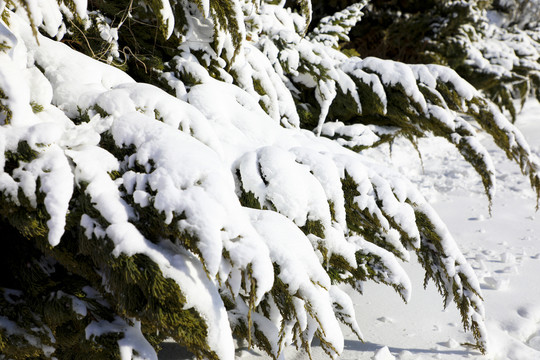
492, 44
194, 170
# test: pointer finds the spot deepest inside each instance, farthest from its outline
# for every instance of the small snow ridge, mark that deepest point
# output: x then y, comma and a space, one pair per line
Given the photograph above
383, 354
451, 344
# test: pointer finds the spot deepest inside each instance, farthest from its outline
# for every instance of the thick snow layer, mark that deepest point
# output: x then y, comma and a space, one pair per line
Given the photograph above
350, 135
304, 275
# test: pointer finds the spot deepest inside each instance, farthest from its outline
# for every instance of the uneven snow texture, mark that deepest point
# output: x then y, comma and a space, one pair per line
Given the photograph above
503, 249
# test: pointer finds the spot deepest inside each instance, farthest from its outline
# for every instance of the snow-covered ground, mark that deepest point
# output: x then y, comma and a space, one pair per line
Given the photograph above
504, 250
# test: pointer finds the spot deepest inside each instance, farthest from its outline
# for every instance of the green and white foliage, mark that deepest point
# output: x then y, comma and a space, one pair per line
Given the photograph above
332, 30
500, 59
228, 197
523, 14
484, 41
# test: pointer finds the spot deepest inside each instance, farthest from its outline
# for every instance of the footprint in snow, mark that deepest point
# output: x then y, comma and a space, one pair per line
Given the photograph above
495, 283
533, 314
385, 320
495, 269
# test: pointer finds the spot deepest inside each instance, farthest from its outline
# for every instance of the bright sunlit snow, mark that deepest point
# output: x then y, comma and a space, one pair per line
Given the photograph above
504, 251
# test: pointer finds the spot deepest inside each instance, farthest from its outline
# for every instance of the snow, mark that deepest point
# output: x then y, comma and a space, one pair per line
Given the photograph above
132, 346
72, 87
383, 354
395, 274
395, 73
167, 17
304, 276
504, 251
291, 188
350, 135
173, 160
55, 173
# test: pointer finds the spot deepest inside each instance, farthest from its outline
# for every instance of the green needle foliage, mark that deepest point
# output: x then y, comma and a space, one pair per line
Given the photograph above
493, 45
